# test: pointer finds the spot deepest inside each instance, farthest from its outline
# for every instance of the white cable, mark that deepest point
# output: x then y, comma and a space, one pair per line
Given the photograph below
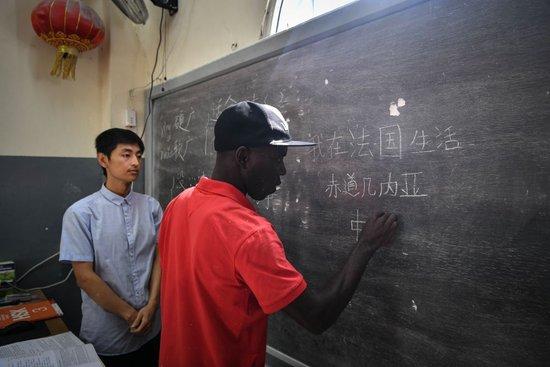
16, 281
34, 267
46, 286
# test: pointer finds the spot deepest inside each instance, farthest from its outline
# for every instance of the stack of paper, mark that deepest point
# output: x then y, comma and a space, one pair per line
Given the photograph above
62, 350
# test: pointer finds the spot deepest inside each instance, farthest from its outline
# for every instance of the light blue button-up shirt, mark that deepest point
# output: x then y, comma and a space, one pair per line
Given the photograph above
118, 234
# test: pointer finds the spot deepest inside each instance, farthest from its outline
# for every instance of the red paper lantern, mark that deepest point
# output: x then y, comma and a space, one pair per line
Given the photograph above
69, 26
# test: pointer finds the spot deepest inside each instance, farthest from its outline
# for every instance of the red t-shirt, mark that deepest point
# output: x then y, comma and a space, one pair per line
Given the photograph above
223, 271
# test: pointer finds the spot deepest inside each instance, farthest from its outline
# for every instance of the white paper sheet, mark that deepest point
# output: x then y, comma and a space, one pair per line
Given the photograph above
62, 350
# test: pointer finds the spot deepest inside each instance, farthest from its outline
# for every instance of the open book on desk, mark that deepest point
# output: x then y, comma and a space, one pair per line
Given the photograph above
61, 350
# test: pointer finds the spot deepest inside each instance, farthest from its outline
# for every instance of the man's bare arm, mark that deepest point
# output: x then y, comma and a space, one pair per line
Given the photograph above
317, 311
101, 293
154, 283
145, 316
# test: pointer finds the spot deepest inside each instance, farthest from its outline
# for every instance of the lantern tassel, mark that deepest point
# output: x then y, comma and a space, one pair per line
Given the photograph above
65, 62
56, 68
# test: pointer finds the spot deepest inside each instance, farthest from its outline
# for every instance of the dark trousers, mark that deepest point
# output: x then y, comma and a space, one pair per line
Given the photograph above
146, 356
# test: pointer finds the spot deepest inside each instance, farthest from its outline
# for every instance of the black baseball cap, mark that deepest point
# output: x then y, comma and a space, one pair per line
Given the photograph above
252, 124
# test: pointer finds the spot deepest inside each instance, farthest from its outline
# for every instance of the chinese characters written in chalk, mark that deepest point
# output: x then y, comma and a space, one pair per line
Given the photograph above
388, 142
357, 225
176, 147
402, 185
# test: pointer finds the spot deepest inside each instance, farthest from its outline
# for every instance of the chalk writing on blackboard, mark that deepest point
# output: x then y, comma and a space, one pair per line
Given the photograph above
333, 188
390, 141
357, 142
354, 141
450, 142
166, 132
421, 140
334, 147
181, 122
403, 185
176, 187
389, 187
356, 224
182, 132
362, 148
272, 201
177, 150
410, 188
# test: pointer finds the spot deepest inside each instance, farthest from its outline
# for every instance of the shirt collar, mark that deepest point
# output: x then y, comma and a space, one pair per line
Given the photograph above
224, 189
114, 198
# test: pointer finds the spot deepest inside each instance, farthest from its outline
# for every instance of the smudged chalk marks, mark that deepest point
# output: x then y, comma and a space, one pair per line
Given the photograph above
394, 111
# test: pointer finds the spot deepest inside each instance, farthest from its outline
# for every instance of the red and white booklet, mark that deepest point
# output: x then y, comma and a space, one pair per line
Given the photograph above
31, 311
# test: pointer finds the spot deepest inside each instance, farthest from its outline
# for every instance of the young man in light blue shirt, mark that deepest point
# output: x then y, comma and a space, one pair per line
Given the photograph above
110, 239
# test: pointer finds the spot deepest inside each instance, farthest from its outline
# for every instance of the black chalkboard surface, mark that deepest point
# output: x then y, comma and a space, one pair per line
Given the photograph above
438, 112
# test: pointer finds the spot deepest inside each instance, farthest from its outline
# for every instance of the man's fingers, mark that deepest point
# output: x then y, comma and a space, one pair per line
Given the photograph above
144, 322
137, 320
139, 327
384, 223
390, 236
143, 327
382, 218
376, 222
379, 228
391, 218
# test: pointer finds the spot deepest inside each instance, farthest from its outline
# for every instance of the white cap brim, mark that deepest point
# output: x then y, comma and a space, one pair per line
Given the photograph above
292, 143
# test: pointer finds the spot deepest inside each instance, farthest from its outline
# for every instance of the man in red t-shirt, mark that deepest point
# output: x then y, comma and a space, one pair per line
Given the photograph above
224, 268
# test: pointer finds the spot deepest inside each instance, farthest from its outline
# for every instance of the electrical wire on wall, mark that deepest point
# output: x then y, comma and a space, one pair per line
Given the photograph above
162, 72
164, 52
16, 281
279, 16
149, 100
264, 18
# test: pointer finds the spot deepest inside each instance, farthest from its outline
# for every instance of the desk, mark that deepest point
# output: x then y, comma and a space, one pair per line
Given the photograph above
37, 329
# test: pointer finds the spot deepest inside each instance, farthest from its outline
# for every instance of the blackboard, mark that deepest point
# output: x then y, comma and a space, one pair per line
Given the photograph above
438, 112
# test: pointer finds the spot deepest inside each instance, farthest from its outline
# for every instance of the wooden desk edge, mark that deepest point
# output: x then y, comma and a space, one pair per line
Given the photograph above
55, 325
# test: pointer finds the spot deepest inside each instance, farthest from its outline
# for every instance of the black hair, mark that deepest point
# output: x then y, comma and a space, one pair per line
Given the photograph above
108, 140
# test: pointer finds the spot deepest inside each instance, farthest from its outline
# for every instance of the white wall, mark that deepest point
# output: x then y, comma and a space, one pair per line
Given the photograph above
41, 115
45, 116
206, 30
